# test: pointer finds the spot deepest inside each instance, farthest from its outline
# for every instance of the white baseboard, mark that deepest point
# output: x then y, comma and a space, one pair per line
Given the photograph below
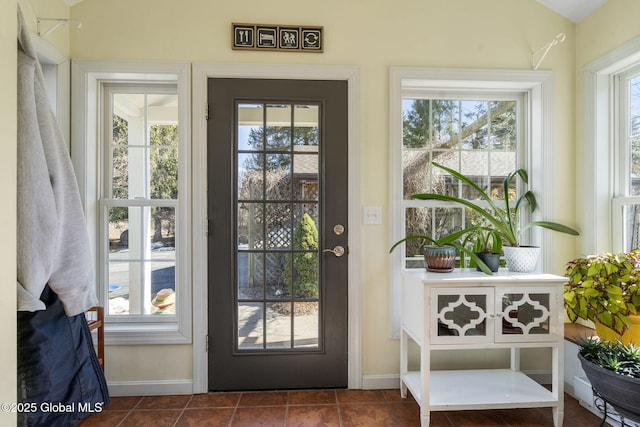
380, 382
149, 388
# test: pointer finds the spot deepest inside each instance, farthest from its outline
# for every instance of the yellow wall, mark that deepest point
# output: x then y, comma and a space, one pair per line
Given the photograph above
373, 35
8, 172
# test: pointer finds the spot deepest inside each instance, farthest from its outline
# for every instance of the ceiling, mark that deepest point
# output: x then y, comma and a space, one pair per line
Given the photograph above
575, 10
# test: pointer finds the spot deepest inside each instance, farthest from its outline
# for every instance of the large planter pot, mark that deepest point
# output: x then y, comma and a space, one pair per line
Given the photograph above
631, 335
492, 260
521, 259
439, 259
622, 392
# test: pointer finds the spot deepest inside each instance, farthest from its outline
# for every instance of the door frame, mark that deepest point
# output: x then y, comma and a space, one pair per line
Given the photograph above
200, 75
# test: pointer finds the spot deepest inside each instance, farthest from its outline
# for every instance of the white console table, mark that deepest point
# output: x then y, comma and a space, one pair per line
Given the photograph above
465, 310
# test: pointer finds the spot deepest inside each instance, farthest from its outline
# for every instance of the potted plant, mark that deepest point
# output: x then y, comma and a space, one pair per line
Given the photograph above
613, 369
439, 255
486, 243
605, 289
505, 221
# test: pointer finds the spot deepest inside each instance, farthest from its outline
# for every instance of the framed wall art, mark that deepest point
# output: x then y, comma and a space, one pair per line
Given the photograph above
285, 38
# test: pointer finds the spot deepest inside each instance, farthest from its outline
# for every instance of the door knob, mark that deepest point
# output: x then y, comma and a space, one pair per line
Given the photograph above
337, 251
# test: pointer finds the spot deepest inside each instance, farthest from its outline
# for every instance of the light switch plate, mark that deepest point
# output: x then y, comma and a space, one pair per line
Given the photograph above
372, 215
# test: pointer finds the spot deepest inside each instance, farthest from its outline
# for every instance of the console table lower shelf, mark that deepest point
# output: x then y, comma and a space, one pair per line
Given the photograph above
480, 389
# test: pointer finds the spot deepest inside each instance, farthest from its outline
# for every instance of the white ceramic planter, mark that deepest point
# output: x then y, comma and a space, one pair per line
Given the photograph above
521, 259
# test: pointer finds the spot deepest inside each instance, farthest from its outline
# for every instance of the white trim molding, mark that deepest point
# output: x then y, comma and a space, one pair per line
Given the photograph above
599, 142
201, 74
149, 388
87, 77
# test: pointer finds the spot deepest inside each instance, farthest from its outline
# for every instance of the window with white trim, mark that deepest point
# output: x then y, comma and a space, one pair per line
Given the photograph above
608, 189
475, 133
483, 123
626, 201
130, 148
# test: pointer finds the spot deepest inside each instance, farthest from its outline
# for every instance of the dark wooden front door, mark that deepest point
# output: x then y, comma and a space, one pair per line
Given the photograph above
277, 203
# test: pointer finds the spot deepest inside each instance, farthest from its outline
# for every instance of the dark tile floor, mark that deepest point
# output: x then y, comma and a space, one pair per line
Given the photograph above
339, 408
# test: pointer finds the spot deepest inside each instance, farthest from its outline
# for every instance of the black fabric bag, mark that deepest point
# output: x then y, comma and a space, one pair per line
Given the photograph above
60, 380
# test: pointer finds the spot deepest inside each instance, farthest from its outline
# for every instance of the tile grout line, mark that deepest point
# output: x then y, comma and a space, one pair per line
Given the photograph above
183, 409
131, 410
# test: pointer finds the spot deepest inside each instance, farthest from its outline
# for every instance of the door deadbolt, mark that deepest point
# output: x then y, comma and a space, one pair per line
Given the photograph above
338, 229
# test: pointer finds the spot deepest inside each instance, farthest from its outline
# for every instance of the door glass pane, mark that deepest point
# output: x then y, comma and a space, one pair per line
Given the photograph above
278, 275
305, 324
250, 275
250, 325
250, 220
278, 227
279, 325
278, 128
305, 132
278, 176
250, 175
250, 130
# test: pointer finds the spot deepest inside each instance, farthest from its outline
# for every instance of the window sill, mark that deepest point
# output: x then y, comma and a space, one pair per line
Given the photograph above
145, 333
575, 331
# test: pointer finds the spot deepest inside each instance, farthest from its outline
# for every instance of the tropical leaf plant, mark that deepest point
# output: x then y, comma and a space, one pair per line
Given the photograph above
505, 221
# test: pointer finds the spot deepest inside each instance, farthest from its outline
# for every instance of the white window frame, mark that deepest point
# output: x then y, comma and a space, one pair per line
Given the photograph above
622, 160
87, 152
599, 178
537, 89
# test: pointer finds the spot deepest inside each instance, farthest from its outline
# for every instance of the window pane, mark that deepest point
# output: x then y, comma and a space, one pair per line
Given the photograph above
305, 130
279, 325
142, 260
142, 121
631, 227
164, 173
278, 225
634, 135
250, 325
278, 176
278, 127
250, 275
120, 172
305, 175
475, 137
250, 127
250, 226
278, 275
250, 176
503, 125
475, 125
306, 325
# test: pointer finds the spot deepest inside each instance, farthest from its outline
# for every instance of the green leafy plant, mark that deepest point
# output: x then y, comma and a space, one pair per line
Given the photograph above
604, 288
504, 221
614, 356
449, 240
